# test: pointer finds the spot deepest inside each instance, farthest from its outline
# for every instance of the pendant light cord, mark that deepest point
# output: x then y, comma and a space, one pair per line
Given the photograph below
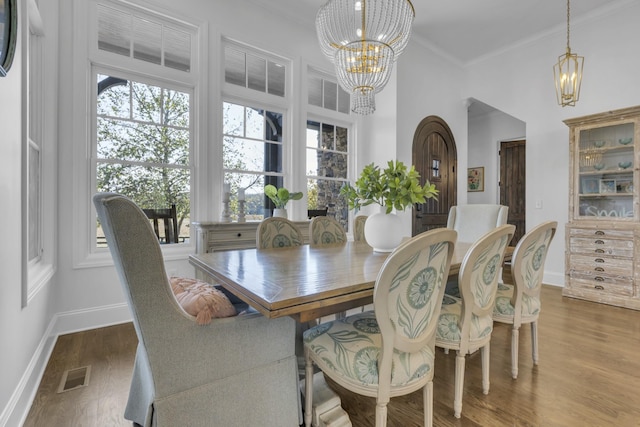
568, 14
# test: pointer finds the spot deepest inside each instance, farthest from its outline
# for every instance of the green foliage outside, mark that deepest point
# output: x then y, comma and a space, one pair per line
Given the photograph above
143, 146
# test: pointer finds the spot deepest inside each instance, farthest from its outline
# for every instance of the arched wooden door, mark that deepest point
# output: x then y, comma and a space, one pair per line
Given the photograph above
435, 158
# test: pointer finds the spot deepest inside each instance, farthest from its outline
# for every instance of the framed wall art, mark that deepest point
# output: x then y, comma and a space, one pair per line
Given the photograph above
8, 34
475, 179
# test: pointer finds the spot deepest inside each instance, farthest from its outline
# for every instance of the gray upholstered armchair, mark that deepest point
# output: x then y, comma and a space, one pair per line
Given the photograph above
235, 371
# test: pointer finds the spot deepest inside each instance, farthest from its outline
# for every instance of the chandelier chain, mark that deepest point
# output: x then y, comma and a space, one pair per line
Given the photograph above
568, 14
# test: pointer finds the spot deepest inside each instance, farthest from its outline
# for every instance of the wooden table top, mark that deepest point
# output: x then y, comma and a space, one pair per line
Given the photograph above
305, 282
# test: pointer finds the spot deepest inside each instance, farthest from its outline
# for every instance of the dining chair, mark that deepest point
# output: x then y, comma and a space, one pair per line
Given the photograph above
169, 217
389, 351
466, 323
190, 374
277, 232
519, 302
325, 230
280, 233
358, 228
473, 221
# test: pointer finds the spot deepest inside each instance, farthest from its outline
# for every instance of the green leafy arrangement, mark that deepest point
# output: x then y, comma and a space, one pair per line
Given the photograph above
280, 196
397, 187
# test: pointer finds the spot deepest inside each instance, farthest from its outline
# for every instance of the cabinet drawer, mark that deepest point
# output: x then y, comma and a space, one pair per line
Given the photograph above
599, 278
601, 234
234, 235
601, 265
604, 287
601, 246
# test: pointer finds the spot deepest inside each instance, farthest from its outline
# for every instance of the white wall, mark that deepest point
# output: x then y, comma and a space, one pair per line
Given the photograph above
23, 331
485, 133
520, 83
429, 84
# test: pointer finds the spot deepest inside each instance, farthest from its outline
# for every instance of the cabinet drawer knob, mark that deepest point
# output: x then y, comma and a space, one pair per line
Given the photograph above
599, 251
598, 279
599, 287
599, 242
599, 260
599, 233
599, 269
239, 234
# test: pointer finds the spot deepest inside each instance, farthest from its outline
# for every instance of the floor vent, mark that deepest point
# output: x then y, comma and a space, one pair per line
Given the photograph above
74, 378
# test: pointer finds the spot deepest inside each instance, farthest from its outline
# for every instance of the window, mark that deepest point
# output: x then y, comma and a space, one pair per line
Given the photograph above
252, 155
144, 128
142, 146
254, 71
328, 148
39, 160
327, 94
327, 169
254, 132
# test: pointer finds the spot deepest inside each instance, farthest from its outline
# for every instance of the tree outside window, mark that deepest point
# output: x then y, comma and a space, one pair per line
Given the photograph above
143, 146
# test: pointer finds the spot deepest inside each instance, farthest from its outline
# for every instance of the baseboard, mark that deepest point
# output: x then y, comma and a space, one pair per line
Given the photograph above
97, 317
17, 409
555, 279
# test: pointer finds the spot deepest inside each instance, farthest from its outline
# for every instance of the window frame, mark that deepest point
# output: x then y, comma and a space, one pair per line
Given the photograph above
147, 80
37, 271
86, 58
251, 98
335, 118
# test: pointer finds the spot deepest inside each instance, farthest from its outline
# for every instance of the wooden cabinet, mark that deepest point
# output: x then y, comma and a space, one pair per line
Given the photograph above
222, 236
602, 247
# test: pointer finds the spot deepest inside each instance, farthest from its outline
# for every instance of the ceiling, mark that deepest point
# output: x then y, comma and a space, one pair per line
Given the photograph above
466, 30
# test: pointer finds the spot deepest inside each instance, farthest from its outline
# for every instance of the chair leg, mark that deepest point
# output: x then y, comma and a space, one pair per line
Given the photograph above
427, 397
381, 414
534, 341
485, 352
308, 390
515, 337
459, 382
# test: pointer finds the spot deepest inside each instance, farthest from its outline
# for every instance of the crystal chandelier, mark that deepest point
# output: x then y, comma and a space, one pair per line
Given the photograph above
567, 74
363, 38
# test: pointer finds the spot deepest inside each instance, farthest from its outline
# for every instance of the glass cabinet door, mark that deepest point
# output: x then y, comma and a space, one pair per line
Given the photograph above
606, 164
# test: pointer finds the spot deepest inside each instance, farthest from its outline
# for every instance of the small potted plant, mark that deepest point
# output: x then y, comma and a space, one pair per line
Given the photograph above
280, 197
396, 187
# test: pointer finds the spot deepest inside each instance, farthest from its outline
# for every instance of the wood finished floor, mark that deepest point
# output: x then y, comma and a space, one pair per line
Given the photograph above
589, 375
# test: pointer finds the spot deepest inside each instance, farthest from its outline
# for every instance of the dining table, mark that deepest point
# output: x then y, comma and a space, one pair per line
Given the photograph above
305, 282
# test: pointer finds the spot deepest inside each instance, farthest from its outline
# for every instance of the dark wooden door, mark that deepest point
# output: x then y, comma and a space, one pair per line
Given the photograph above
435, 158
512, 184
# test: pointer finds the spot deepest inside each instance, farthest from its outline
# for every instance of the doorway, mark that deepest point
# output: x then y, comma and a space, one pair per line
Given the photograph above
435, 158
513, 184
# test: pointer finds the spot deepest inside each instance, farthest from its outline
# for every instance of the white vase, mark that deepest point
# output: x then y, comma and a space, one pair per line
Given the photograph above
383, 231
280, 213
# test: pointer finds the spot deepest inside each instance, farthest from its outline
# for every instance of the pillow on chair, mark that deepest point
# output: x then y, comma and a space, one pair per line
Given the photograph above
201, 300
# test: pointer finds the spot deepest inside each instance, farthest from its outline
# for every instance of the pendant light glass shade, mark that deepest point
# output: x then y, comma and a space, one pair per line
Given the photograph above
567, 73
363, 38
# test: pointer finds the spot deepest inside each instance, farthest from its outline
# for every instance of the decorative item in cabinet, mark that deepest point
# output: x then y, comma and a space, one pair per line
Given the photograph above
604, 216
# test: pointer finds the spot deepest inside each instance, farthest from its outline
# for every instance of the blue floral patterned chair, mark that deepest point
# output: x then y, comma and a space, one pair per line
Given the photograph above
466, 323
325, 230
358, 228
388, 352
277, 232
519, 302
